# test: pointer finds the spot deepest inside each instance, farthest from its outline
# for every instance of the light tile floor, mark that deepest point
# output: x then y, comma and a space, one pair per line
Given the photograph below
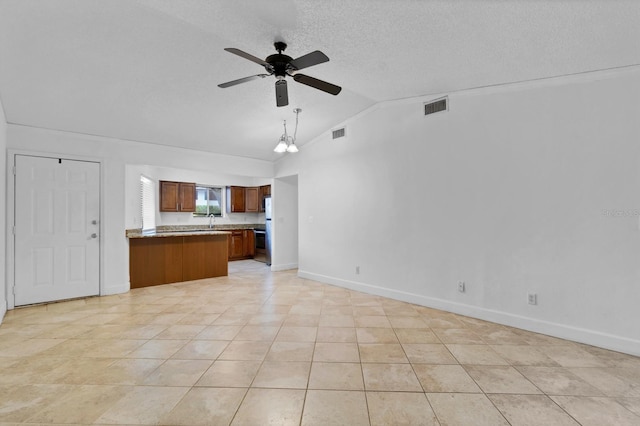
258, 348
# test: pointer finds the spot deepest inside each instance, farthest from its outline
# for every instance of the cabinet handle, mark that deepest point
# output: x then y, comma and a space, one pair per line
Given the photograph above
176, 206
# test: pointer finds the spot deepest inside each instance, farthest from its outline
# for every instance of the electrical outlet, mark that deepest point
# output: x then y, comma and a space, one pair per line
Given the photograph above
357, 270
461, 286
532, 298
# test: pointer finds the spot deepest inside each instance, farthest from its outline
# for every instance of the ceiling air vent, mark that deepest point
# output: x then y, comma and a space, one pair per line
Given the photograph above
436, 106
338, 133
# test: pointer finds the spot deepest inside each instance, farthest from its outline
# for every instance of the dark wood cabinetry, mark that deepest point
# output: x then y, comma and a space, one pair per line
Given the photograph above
249, 243
263, 191
241, 244
203, 257
236, 244
252, 199
177, 196
235, 199
163, 260
241, 199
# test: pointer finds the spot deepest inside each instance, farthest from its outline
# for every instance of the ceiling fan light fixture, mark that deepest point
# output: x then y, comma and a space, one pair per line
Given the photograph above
281, 66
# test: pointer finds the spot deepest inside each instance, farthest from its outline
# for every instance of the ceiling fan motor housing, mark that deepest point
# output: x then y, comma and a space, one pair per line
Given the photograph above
280, 64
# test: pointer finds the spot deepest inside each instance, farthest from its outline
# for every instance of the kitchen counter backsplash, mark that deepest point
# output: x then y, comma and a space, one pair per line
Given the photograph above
183, 228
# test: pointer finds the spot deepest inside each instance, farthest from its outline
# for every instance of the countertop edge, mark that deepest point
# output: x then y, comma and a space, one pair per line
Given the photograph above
133, 235
191, 230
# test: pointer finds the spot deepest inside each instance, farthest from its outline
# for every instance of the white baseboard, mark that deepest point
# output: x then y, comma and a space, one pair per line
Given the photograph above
283, 267
115, 289
563, 331
3, 309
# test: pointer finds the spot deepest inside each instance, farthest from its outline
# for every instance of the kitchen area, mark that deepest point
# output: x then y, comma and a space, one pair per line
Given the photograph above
197, 229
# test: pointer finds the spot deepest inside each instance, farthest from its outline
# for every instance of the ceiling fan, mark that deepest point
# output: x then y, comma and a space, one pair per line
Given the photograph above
281, 66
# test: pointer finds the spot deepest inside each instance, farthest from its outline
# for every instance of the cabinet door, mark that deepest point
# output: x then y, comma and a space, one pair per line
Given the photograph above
187, 197
169, 199
252, 202
249, 243
236, 245
263, 191
235, 199
177, 196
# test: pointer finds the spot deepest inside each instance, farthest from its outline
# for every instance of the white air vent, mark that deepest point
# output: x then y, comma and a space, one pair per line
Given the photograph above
338, 133
436, 106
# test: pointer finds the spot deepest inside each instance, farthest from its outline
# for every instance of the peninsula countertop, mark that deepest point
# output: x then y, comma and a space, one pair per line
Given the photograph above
189, 230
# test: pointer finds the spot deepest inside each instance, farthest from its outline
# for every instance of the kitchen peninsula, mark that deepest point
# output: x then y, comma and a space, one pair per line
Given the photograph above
176, 255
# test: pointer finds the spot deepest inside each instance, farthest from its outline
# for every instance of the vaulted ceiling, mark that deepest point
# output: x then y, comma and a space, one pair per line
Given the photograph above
148, 70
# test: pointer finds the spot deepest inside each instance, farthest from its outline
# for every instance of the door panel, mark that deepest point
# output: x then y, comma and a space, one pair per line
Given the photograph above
57, 249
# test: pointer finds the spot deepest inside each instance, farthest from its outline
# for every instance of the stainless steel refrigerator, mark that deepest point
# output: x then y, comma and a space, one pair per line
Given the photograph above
267, 227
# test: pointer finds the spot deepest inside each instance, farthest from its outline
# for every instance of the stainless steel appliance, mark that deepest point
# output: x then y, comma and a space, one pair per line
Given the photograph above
267, 228
263, 236
260, 239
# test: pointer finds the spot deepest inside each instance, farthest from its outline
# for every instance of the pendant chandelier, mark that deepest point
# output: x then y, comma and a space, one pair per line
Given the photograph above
287, 143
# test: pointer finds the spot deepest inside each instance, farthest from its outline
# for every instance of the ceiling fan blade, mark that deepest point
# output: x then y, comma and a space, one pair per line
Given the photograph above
242, 80
317, 84
282, 98
248, 56
310, 59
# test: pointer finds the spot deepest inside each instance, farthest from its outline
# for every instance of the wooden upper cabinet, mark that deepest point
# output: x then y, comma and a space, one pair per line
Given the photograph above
263, 191
235, 199
169, 196
252, 200
187, 197
177, 196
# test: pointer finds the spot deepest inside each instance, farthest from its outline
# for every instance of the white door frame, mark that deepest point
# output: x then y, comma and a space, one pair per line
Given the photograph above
11, 201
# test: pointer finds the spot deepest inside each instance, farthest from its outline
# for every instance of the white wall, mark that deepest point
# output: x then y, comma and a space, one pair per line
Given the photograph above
510, 191
285, 224
115, 155
3, 210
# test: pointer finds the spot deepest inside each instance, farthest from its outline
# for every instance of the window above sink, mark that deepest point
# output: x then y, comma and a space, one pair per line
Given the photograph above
209, 200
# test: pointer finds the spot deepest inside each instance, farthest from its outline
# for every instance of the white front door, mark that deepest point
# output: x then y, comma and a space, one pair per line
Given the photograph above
57, 216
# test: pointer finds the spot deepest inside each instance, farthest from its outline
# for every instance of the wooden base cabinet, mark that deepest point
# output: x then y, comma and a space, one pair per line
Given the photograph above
154, 261
204, 257
241, 244
249, 243
236, 245
164, 260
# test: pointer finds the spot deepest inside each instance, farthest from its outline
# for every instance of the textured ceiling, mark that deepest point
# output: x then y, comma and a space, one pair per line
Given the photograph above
148, 70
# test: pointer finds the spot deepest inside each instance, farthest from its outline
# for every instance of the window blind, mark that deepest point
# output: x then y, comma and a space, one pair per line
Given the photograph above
147, 203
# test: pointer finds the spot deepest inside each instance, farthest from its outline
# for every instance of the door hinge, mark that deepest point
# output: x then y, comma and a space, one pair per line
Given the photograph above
14, 170
14, 230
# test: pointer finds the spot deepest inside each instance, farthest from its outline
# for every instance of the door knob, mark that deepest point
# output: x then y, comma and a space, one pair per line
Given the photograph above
94, 235
94, 222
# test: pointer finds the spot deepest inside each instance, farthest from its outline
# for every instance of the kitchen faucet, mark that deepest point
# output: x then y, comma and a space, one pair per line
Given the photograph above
211, 221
